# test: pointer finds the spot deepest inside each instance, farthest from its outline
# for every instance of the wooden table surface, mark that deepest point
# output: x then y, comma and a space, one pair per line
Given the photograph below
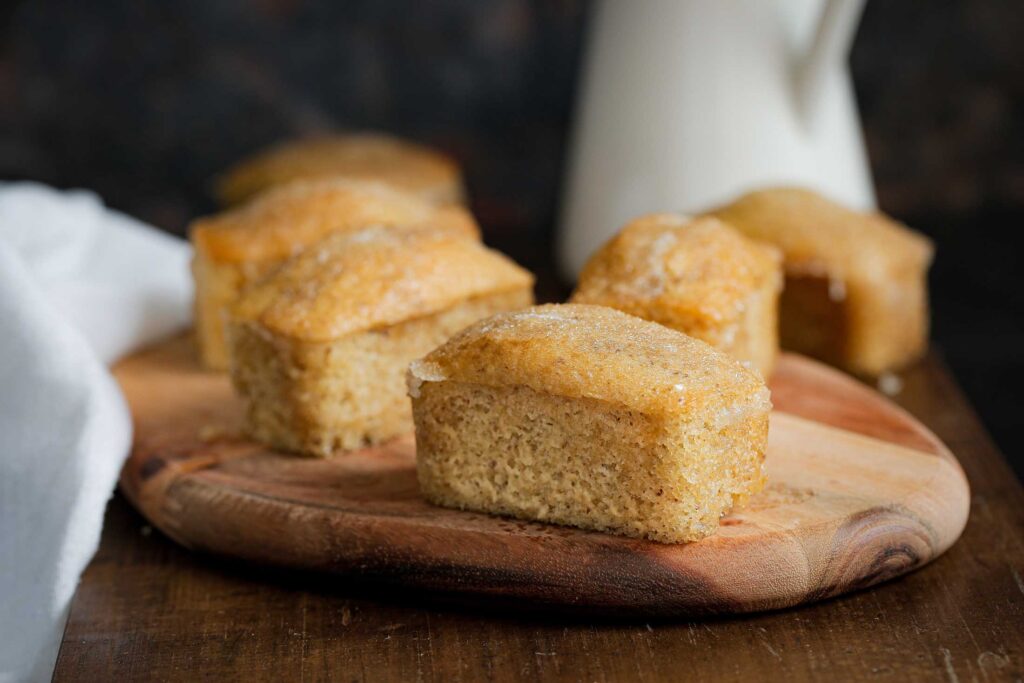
149, 610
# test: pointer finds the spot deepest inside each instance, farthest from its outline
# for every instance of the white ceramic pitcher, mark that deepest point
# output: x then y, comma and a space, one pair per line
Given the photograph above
687, 103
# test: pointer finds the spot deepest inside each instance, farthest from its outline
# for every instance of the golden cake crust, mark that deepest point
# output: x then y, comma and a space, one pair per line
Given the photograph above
820, 237
856, 291
696, 275
369, 156
374, 277
675, 269
594, 352
289, 218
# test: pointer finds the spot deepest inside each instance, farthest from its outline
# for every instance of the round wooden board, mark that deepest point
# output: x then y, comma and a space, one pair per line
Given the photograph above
859, 493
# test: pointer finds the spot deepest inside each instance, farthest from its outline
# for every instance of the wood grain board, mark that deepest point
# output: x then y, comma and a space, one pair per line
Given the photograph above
860, 492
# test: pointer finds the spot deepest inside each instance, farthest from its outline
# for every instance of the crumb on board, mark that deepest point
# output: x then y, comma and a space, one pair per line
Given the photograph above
890, 384
212, 432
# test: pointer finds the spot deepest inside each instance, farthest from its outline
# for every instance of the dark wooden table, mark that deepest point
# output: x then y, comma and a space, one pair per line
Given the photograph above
149, 610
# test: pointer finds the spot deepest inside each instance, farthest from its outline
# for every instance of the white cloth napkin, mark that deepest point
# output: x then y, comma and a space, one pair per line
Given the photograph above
79, 286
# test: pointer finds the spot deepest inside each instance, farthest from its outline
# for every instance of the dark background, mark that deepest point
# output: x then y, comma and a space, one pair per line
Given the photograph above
143, 101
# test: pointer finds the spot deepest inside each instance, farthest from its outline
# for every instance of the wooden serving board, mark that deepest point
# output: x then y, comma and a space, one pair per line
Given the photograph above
859, 493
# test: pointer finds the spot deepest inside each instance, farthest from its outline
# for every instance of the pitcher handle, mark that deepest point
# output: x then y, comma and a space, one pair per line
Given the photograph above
831, 45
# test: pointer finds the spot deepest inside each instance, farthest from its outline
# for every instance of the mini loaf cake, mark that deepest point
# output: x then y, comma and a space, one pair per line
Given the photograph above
319, 349
235, 248
698, 276
403, 165
856, 292
586, 416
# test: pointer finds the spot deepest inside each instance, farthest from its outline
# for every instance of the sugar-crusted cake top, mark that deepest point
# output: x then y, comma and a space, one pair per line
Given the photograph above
585, 351
374, 277
680, 271
368, 156
284, 220
819, 237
